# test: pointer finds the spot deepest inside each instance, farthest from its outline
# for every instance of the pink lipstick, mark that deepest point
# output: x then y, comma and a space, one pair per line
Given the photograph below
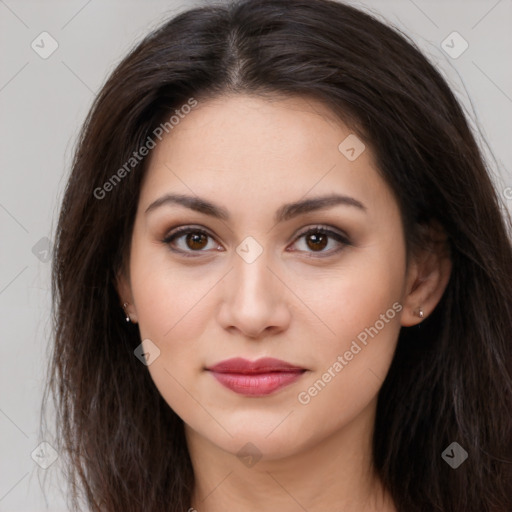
255, 378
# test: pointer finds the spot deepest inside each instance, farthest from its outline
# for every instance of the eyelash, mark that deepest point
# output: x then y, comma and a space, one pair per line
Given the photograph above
179, 232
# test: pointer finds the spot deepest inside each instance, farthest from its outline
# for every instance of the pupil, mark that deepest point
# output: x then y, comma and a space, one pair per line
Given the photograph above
319, 241
194, 238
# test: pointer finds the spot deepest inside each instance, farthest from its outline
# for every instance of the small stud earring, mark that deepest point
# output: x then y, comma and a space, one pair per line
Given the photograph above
421, 314
127, 315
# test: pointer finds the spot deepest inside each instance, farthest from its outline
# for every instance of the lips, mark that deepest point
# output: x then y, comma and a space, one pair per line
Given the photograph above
255, 378
263, 365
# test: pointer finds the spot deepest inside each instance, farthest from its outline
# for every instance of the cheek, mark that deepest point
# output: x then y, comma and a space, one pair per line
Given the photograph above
362, 306
356, 295
170, 306
171, 314
175, 311
169, 299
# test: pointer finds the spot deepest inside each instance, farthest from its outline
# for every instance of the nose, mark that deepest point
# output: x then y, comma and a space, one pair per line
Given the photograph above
254, 299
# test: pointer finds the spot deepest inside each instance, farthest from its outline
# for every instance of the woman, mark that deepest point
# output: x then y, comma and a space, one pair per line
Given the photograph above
282, 278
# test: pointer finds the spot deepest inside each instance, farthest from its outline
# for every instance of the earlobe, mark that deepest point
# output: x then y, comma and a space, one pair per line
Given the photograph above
428, 278
413, 315
419, 312
123, 288
125, 305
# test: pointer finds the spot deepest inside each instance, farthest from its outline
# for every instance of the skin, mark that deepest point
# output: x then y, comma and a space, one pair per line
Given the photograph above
295, 302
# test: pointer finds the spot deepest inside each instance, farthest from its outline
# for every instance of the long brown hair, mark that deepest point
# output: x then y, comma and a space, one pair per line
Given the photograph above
451, 377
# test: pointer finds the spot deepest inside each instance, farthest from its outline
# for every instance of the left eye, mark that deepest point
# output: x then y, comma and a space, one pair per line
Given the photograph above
196, 240
318, 238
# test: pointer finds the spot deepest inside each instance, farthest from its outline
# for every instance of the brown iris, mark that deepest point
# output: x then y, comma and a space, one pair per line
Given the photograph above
196, 240
319, 241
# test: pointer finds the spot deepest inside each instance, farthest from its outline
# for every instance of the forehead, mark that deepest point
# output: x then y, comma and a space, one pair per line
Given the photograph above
257, 152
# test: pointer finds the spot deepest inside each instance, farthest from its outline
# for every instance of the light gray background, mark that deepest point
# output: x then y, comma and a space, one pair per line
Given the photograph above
43, 103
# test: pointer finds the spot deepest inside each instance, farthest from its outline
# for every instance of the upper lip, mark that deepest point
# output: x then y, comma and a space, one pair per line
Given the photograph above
263, 365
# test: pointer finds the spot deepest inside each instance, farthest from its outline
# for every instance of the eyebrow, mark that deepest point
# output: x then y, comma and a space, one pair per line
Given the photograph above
284, 213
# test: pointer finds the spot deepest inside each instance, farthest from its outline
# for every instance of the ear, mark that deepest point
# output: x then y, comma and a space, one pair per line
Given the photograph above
124, 290
427, 275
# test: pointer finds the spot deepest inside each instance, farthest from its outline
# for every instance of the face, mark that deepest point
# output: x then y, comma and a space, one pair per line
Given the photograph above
318, 286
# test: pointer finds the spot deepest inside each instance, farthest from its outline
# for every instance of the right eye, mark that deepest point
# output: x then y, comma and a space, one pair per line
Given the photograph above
194, 240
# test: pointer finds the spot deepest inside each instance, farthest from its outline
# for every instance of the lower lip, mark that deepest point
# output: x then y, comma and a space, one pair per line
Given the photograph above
259, 384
